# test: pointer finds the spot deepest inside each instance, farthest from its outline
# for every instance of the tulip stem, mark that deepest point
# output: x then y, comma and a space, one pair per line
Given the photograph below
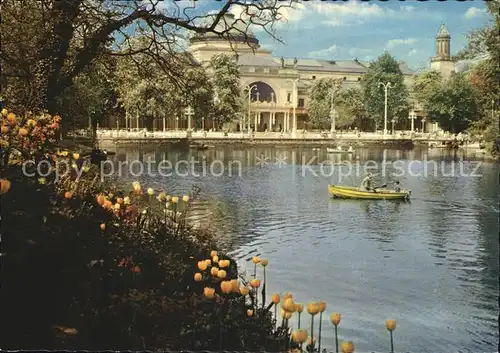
392, 343
319, 335
276, 314
336, 340
312, 333
299, 321
287, 339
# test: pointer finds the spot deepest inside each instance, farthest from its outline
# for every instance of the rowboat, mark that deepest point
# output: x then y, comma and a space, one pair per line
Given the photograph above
349, 192
334, 150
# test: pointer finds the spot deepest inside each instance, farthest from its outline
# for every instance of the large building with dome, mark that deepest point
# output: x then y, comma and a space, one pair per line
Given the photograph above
278, 84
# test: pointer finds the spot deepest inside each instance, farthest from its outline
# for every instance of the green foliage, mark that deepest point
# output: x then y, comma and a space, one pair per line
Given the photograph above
427, 84
351, 107
476, 44
226, 85
321, 101
451, 103
385, 69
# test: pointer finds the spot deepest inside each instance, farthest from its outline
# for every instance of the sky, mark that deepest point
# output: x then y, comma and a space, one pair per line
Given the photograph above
344, 30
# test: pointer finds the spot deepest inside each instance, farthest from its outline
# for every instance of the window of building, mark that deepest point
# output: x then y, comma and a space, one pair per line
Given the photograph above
266, 71
301, 103
251, 69
289, 97
314, 77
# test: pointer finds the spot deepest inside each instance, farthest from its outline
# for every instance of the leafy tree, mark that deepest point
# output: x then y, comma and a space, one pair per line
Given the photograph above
227, 91
321, 101
451, 103
385, 69
476, 44
351, 107
426, 84
48, 43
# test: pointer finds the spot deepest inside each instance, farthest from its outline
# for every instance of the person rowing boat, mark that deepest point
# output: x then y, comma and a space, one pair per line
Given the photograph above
366, 184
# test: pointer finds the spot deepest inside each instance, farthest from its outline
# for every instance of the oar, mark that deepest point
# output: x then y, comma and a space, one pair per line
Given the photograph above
379, 187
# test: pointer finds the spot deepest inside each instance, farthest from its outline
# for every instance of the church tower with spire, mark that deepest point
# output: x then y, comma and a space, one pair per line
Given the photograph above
443, 61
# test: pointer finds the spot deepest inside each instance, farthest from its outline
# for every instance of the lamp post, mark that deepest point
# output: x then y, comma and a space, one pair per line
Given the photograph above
294, 102
250, 88
386, 86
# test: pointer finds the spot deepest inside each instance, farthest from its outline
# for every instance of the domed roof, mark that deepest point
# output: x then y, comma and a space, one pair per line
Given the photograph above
238, 32
443, 32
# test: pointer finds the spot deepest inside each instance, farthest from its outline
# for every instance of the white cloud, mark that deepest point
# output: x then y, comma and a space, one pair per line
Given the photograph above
474, 12
397, 42
412, 52
324, 53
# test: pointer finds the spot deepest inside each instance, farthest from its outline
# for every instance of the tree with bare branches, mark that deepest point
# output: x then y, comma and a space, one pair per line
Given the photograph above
46, 44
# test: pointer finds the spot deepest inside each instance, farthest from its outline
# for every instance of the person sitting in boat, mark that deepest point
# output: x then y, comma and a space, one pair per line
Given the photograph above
397, 188
366, 184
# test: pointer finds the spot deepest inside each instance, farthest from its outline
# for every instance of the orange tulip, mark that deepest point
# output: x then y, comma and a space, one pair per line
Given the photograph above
197, 277
390, 325
209, 292
202, 265
100, 199
119, 200
215, 259
5, 129
213, 253
4, 186
103, 226
347, 347
313, 308
214, 271
249, 312
11, 118
299, 336
300, 307
23, 132
208, 261
221, 274
68, 195
235, 285
244, 290
226, 286
335, 318
286, 314
76, 155
287, 295
275, 298
322, 306
255, 283
255, 260
264, 263
288, 305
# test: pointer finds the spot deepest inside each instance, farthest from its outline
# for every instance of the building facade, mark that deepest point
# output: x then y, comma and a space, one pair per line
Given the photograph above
279, 87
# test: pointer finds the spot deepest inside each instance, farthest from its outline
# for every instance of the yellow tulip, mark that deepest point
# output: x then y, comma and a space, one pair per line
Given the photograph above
150, 191
76, 155
299, 336
5, 129
300, 307
390, 325
244, 290
249, 312
202, 265
103, 226
126, 200
322, 306
209, 292
287, 295
175, 199
335, 318
42, 180
5, 112
286, 314
226, 286
347, 347
214, 271
31, 122
23, 131
208, 261
255, 283
215, 259
221, 274
276, 298
255, 260
288, 305
313, 308
68, 195
223, 263
136, 186
197, 277
162, 197
235, 285
213, 253
264, 263
185, 198
64, 153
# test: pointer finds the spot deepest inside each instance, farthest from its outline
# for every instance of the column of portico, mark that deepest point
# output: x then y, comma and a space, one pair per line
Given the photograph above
271, 119
255, 125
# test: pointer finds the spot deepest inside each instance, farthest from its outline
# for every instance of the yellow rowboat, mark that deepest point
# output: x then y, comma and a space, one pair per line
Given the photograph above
348, 192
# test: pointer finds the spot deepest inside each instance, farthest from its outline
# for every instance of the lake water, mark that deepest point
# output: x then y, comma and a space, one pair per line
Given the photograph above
431, 264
